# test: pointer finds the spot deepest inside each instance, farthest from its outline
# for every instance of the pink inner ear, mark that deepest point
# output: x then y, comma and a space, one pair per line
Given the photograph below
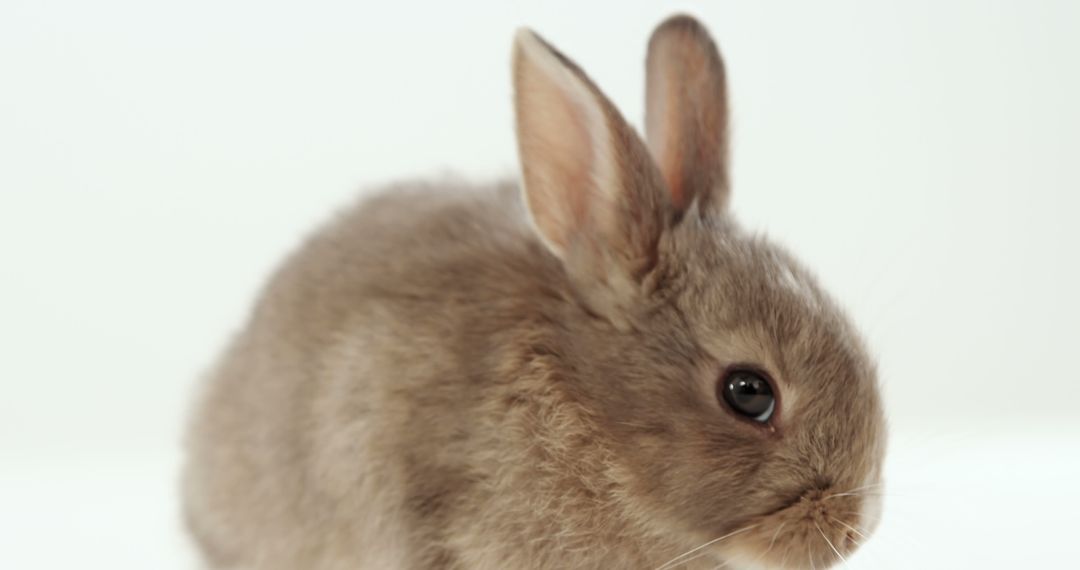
560, 158
671, 165
674, 178
579, 178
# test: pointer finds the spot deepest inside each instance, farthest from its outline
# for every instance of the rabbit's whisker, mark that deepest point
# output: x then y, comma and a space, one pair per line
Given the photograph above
774, 536
772, 543
865, 487
859, 494
865, 490
679, 559
829, 542
849, 527
787, 552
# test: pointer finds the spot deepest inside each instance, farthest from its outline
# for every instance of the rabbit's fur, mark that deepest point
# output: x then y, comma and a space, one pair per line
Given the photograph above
452, 377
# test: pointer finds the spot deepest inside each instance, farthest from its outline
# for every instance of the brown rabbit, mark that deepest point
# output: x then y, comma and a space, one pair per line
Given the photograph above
609, 373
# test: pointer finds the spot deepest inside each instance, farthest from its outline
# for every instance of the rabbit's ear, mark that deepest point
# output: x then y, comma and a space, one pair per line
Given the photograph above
594, 194
686, 113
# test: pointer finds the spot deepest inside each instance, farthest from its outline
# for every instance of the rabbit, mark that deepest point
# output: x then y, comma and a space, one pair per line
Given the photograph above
593, 368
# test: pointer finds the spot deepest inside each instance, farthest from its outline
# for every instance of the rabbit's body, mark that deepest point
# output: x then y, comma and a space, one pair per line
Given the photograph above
376, 337
596, 370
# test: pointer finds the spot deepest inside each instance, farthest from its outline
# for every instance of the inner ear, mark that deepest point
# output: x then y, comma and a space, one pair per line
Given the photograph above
686, 113
566, 143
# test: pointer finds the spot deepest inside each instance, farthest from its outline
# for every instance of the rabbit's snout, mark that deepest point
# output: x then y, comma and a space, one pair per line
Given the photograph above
825, 522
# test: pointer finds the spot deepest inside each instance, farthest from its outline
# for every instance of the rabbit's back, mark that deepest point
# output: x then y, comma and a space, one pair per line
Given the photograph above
364, 344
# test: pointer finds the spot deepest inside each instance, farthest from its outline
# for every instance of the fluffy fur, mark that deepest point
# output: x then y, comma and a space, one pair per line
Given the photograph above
451, 377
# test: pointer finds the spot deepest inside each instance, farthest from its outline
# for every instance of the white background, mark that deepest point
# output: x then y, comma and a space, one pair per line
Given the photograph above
157, 160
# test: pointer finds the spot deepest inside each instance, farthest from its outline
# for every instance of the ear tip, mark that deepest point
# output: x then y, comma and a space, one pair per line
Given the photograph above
682, 38
680, 26
525, 39
529, 47
524, 34
681, 20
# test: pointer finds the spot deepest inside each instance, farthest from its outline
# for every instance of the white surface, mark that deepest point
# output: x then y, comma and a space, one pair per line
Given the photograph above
157, 160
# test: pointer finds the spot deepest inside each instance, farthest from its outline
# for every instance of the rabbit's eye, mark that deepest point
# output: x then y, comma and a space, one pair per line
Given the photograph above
749, 394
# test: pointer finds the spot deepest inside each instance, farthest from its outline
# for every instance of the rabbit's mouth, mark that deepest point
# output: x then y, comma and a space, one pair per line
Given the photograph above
820, 528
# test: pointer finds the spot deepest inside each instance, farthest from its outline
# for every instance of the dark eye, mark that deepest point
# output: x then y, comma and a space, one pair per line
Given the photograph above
749, 394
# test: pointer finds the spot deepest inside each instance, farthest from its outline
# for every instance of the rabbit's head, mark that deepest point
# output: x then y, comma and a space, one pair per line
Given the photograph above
741, 402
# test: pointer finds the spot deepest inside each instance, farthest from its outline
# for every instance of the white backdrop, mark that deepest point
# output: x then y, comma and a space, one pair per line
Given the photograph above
157, 160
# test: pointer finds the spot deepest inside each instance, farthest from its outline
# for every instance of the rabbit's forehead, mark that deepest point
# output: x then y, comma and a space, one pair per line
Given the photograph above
750, 303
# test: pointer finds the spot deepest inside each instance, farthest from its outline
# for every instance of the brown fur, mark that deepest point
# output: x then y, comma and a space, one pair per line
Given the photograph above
445, 378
